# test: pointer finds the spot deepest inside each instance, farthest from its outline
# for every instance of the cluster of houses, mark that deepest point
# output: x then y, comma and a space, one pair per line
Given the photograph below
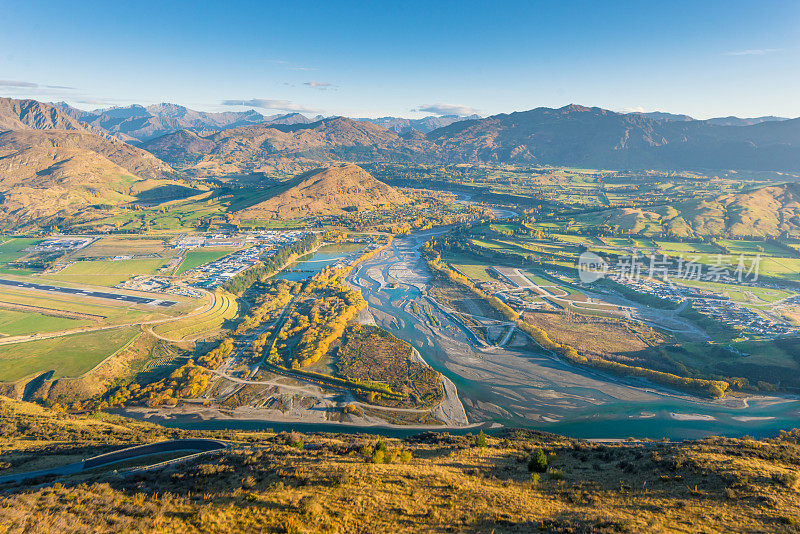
264, 244
712, 304
740, 317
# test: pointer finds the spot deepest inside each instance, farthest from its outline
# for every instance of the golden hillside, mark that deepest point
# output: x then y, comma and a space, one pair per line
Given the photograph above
511, 481
48, 172
765, 212
33, 115
330, 191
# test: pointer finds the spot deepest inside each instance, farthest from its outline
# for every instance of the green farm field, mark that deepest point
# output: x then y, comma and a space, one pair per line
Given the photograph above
16, 323
752, 247
106, 273
67, 356
196, 258
469, 265
110, 246
12, 249
672, 247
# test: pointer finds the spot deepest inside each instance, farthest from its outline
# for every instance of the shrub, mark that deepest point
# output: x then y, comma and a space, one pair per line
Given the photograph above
295, 440
481, 441
537, 461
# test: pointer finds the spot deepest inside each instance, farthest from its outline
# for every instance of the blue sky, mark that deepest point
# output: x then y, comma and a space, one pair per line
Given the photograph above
373, 59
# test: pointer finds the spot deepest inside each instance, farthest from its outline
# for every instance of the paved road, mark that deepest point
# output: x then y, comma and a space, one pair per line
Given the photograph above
140, 451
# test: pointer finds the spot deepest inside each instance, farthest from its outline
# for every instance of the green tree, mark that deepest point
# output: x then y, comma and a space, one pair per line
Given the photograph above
538, 461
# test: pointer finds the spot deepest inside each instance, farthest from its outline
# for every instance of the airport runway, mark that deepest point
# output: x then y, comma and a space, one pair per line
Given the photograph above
97, 294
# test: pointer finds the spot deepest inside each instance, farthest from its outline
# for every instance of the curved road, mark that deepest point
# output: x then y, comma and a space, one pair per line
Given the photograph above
130, 453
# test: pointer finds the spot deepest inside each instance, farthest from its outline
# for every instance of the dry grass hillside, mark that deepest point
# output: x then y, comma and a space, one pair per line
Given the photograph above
765, 212
50, 165
512, 481
330, 191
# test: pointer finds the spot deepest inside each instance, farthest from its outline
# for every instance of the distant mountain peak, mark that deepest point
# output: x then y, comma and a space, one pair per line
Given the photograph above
577, 108
33, 115
663, 116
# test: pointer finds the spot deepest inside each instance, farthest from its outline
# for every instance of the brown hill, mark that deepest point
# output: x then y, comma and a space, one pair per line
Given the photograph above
766, 212
33, 115
331, 191
62, 168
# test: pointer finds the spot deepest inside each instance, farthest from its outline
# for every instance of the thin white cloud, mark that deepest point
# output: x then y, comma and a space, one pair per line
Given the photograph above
447, 109
13, 83
320, 85
637, 109
265, 103
291, 66
754, 52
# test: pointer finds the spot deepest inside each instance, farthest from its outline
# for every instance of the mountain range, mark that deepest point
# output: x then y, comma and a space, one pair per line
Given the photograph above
424, 125
139, 123
53, 162
52, 166
571, 136
290, 148
717, 121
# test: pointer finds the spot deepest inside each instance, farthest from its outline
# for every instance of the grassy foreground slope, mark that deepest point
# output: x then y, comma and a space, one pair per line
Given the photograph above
271, 482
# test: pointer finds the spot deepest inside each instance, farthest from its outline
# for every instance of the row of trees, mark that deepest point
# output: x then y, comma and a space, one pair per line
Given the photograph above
329, 322
268, 305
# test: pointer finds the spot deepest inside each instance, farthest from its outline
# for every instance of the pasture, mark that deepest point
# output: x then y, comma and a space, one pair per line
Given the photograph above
196, 258
18, 322
12, 249
67, 356
106, 272
110, 246
673, 247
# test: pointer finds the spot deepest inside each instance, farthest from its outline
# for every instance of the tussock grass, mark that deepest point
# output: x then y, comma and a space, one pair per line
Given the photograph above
430, 482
